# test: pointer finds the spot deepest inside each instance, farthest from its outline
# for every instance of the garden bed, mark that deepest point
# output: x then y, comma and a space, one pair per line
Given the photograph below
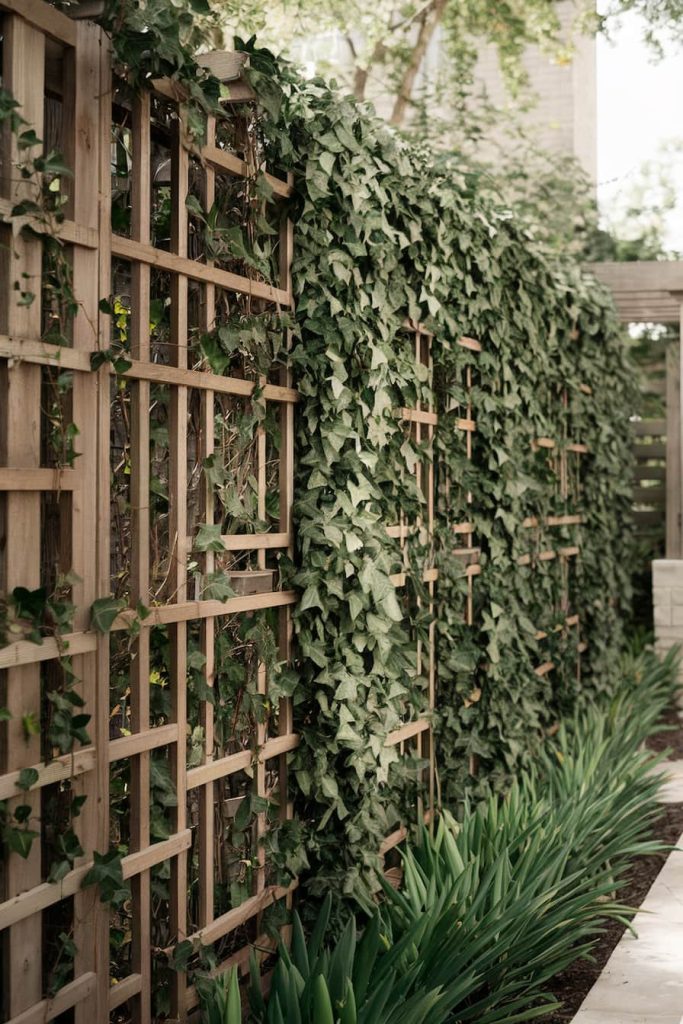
573, 985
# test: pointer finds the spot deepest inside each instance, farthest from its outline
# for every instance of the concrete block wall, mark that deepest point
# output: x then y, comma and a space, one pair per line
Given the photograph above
667, 600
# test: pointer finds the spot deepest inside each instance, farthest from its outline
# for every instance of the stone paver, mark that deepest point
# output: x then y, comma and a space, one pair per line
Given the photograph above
672, 791
642, 982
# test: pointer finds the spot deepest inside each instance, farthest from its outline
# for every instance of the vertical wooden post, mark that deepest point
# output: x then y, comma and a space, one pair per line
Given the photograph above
178, 539
103, 493
286, 484
90, 915
139, 576
208, 625
674, 454
23, 75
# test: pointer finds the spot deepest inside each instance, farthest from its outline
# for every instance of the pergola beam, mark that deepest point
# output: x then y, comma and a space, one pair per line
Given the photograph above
643, 290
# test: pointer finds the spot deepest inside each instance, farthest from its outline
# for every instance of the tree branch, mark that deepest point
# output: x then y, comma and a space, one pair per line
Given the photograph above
428, 21
360, 79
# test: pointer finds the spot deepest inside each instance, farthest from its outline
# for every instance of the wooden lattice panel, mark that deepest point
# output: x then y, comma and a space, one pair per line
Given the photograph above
555, 540
185, 742
49, 501
414, 738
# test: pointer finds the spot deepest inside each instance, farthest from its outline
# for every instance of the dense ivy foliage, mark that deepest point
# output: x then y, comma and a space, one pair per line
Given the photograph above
383, 235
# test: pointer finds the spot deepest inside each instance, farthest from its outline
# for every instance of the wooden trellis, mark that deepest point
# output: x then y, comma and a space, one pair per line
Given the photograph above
465, 548
415, 736
174, 496
564, 456
153, 425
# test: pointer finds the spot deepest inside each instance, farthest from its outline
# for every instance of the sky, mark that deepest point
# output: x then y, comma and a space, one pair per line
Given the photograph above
640, 106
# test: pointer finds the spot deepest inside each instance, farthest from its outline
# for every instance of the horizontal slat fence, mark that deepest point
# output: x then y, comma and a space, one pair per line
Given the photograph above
649, 476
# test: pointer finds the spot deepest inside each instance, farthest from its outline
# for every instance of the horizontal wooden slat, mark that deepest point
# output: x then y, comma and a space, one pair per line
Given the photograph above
141, 742
44, 17
463, 528
470, 343
204, 380
393, 840
648, 518
233, 164
41, 897
224, 766
127, 249
23, 652
417, 327
579, 449
188, 610
66, 766
398, 835
649, 495
67, 359
255, 541
42, 353
543, 669
401, 531
419, 416
649, 428
656, 450
428, 576
69, 231
123, 990
37, 479
238, 915
649, 473
17, 908
68, 996
239, 91
135, 863
531, 522
406, 732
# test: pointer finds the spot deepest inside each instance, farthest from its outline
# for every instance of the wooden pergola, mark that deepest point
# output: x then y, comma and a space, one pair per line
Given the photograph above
652, 292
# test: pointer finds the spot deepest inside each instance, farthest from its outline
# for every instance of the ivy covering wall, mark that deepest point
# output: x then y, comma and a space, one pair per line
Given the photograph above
384, 233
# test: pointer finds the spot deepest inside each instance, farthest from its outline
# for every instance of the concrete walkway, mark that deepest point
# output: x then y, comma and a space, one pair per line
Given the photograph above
642, 982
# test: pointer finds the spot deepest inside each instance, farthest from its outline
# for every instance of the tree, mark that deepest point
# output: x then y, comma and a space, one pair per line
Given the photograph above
385, 43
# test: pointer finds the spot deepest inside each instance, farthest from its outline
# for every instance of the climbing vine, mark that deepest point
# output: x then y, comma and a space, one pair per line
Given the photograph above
383, 234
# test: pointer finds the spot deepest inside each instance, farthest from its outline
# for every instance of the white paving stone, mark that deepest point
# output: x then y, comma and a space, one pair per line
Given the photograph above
607, 1017
642, 982
672, 790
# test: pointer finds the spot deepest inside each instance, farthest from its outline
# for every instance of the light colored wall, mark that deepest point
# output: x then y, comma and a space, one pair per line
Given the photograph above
667, 598
565, 117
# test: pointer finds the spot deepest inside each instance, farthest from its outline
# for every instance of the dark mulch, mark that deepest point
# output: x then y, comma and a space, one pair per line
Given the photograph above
573, 985
671, 737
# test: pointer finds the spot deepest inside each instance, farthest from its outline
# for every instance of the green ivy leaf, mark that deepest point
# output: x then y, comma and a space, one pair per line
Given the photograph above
104, 611
208, 538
